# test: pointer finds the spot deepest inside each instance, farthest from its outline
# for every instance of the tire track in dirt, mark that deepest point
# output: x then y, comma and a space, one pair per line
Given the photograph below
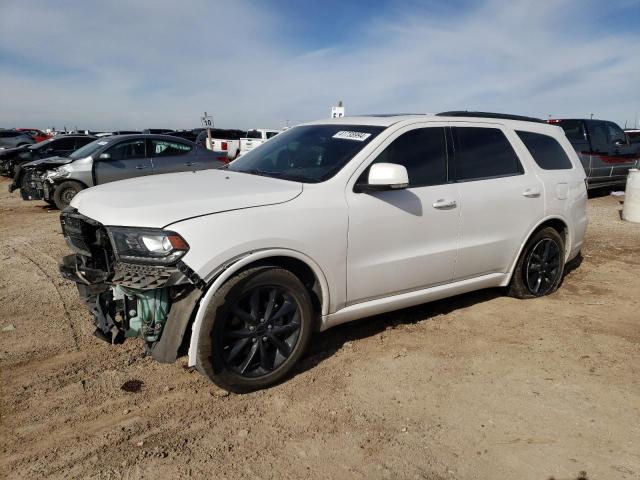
70, 321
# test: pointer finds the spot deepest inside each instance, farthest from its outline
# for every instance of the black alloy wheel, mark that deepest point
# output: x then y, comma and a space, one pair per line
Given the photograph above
540, 267
543, 266
261, 330
255, 329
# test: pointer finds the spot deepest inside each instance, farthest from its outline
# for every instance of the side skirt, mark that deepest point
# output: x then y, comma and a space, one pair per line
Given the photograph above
409, 299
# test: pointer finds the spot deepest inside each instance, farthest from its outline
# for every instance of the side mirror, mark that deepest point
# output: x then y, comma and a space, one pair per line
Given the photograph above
104, 156
619, 143
386, 176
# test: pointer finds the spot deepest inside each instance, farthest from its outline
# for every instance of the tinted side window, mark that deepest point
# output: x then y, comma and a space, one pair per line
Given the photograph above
127, 149
545, 150
483, 153
254, 134
165, 148
598, 137
62, 144
573, 129
423, 152
272, 134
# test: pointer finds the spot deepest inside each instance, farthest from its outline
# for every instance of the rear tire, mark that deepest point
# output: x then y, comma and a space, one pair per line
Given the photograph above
65, 192
255, 329
540, 266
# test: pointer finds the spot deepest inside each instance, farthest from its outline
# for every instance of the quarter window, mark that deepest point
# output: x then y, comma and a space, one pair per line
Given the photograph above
483, 153
164, 148
127, 149
423, 152
545, 150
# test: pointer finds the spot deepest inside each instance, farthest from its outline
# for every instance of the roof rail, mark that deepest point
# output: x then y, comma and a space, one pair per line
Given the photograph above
503, 116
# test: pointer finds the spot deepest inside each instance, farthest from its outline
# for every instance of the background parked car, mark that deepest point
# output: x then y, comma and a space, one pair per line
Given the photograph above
59, 146
13, 138
222, 140
604, 149
37, 135
117, 158
158, 131
634, 135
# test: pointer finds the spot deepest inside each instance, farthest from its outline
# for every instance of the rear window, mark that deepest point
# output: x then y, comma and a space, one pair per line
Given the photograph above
254, 134
545, 150
483, 153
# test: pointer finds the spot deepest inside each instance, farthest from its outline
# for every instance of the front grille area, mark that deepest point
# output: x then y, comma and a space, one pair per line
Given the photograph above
87, 238
94, 260
31, 187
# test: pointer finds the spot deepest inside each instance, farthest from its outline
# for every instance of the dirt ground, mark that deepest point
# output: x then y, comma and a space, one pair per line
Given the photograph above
476, 387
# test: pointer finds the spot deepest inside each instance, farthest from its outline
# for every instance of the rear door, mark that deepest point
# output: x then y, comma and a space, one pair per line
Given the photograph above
169, 155
601, 166
127, 159
501, 200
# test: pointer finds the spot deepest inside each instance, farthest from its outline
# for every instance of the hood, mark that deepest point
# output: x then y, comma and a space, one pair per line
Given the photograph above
48, 162
9, 152
159, 200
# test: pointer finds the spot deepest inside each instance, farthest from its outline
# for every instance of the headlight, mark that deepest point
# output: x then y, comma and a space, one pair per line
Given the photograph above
58, 172
147, 245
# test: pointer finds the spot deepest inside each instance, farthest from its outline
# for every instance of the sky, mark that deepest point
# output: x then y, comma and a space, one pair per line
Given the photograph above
134, 64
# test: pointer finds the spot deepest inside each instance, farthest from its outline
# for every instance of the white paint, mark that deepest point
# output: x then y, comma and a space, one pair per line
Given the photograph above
372, 251
631, 208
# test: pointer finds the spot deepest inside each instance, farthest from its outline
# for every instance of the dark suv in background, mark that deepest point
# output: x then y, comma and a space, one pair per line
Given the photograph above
13, 138
605, 151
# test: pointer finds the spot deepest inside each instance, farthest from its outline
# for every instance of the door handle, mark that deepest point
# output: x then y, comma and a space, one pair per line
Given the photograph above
443, 204
140, 167
190, 164
531, 193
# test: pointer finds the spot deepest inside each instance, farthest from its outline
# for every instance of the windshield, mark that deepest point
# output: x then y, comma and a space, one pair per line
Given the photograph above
309, 154
89, 149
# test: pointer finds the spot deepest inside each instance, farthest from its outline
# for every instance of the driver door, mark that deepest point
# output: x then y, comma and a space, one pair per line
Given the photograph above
126, 159
404, 240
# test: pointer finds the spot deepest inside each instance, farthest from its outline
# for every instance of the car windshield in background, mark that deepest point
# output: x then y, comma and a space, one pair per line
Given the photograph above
309, 154
89, 149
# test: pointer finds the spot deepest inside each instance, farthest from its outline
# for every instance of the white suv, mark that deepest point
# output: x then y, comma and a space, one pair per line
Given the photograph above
326, 223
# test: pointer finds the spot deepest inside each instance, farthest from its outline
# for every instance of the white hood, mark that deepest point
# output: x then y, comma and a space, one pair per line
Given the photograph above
159, 200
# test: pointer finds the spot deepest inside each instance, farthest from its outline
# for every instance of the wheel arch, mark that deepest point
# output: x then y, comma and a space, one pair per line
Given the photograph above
301, 265
557, 223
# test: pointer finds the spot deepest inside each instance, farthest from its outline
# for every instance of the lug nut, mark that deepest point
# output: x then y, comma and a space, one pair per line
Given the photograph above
262, 320
252, 328
270, 327
254, 339
264, 339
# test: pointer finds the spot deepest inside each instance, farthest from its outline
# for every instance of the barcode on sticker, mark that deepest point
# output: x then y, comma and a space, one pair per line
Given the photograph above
348, 135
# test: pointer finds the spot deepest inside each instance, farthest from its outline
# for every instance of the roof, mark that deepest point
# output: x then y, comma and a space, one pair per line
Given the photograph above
501, 116
515, 121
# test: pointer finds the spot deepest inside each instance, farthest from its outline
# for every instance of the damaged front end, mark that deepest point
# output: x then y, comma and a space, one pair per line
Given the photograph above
132, 280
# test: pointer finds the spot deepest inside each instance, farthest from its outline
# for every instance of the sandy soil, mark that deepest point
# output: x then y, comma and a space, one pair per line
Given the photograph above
476, 387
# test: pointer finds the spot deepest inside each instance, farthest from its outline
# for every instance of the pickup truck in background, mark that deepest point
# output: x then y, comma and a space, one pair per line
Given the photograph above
604, 149
236, 142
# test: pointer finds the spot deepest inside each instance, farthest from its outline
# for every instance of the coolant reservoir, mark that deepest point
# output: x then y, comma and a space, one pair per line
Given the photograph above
631, 208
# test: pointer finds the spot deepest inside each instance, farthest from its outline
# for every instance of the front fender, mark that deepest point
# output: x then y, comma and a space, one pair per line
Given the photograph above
232, 269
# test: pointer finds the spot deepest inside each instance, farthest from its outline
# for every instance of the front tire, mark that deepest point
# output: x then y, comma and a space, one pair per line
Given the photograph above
65, 192
540, 266
255, 329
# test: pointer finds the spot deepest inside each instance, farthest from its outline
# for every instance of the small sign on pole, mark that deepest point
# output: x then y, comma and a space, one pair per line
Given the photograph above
207, 122
337, 112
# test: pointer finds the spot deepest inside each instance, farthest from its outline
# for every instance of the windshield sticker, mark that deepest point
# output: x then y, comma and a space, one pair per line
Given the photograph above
347, 135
